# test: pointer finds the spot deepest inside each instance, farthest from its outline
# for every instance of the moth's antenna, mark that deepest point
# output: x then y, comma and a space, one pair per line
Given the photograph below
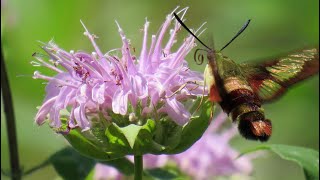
183, 25
241, 30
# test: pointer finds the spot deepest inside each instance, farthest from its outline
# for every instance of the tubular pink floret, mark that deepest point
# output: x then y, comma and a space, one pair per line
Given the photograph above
91, 38
144, 49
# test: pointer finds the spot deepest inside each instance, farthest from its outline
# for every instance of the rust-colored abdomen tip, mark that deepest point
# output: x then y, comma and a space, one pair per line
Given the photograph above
256, 130
262, 129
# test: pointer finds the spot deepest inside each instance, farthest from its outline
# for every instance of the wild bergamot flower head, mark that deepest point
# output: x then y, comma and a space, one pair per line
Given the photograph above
111, 99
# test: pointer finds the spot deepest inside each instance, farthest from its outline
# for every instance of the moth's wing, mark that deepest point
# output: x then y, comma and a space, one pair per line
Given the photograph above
270, 79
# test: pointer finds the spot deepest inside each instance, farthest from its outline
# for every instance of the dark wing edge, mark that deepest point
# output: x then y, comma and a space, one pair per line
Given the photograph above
270, 79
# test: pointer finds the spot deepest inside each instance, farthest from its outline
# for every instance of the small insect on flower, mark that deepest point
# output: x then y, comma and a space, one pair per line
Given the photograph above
241, 89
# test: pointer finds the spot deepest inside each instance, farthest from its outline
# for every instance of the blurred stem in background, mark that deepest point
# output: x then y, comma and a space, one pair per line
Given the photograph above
10, 121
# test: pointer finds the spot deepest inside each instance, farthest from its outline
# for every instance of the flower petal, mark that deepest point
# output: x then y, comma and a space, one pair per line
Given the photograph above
80, 117
44, 110
53, 88
139, 85
120, 102
98, 93
176, 111
82, 94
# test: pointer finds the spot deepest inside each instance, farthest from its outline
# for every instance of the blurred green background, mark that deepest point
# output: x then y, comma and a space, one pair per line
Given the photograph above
277, 27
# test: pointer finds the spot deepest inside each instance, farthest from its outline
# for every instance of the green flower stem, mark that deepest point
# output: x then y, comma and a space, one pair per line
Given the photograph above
138, 167
10, 121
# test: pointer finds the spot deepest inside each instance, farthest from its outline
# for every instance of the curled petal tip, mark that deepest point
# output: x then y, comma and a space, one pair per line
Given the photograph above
36, 75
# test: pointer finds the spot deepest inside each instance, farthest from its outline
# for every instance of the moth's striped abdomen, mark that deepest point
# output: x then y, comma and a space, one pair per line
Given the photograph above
239, 100
243, 105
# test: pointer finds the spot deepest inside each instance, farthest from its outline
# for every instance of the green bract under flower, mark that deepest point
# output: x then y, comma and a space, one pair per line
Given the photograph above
106, 141
109, 106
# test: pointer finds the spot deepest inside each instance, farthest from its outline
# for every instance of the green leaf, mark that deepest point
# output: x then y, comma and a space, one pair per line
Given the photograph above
71, 165
83, 145
168, 134
195, 128
87, 147
117, 140
131, 132
144, 141
308, 159
139, 138
90, 175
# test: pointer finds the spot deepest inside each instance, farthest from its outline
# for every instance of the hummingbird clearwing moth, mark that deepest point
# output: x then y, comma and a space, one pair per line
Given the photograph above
241, 89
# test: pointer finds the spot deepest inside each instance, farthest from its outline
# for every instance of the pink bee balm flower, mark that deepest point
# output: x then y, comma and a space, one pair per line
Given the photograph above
159, 81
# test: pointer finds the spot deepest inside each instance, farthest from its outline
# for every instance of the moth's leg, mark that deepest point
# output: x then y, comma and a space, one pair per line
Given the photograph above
203, 92
197, 83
